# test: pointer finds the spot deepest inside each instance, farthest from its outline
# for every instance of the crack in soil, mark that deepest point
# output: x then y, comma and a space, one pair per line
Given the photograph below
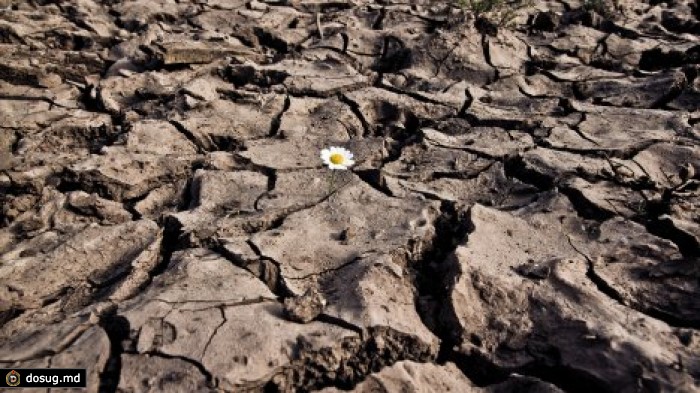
117, 329
355, 108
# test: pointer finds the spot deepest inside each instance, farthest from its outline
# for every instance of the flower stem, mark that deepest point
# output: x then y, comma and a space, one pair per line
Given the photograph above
331, 182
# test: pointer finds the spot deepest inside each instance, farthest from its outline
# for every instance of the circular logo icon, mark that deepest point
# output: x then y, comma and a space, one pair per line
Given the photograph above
12, 378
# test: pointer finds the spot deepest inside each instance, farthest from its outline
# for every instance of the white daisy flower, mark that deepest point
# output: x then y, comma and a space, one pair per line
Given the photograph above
337, 158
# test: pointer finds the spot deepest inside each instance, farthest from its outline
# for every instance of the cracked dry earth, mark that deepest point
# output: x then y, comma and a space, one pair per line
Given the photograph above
523, 215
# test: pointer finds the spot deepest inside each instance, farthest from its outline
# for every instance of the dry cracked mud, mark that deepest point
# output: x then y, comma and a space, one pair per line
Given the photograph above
522, 216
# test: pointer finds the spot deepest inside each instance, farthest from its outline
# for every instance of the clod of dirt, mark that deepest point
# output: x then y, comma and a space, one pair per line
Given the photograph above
304, 308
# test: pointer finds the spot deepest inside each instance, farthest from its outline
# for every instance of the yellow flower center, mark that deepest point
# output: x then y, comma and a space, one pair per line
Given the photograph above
337, 158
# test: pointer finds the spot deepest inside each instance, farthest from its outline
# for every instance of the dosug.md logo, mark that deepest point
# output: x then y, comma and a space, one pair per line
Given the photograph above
12, 378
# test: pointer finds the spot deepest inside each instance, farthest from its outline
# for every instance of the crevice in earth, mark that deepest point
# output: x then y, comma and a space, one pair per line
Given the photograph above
604, 287
439, 281
100, 287
434, 275
333, 7
189, 135
277, 120
48, 100
117, 329
598, 281
211, 381
393, 57
468, 101
169, 245
568, 379
247, 164
624, 153
687, 244
484, 373
414, 95
298, 92
267, 39
441, 61
583, 206
130, 206
378, 23
14, 148
339, 322
375, 179
516, 167
311, 370
671, 319
487, 58
326, 271
186, 198
674, 91
271, 184
9, 314
216, 330
577, 129
265, 269
214, 303
355, 108
636, 184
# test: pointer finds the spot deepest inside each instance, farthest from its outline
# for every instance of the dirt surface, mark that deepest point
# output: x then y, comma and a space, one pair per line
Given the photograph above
522, 216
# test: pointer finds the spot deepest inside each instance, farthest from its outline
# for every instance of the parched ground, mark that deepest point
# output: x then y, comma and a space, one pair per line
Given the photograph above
523, 215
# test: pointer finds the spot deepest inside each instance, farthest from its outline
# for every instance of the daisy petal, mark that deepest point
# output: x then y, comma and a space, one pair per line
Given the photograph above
337, 158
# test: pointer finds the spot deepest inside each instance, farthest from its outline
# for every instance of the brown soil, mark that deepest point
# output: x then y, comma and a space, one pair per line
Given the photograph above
522, 216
